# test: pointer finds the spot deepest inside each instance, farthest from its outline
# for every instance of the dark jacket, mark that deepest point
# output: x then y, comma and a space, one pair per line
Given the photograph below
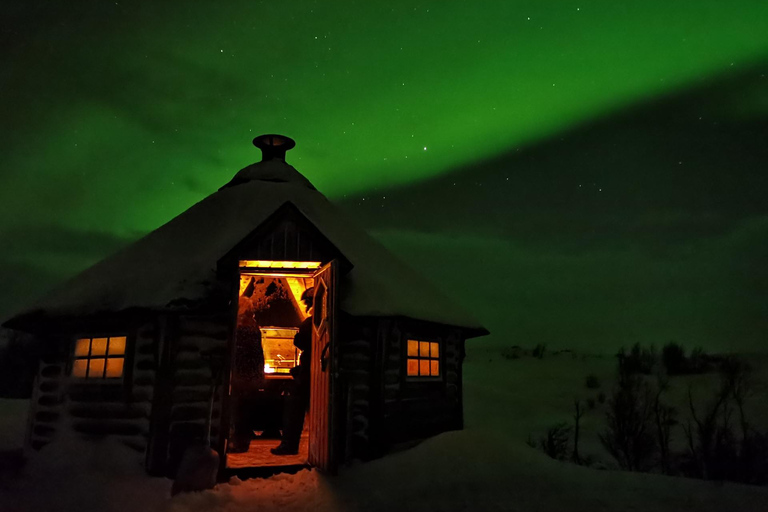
303, 341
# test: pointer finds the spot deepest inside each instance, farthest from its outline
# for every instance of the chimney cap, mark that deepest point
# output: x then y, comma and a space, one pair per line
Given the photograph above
273, 145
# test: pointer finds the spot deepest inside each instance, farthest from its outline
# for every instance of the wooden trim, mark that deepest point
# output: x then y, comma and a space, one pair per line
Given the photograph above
160, 417
225, 405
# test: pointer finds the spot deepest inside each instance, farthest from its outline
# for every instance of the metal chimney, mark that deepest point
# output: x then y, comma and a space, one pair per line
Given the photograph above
273, 146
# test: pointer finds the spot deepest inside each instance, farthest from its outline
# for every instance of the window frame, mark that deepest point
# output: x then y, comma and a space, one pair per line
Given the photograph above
127, 360
440, 358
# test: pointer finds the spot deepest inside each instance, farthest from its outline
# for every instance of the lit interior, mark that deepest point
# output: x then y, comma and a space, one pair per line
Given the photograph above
423, 359
99, 358
311, 265
271, 302
280, 354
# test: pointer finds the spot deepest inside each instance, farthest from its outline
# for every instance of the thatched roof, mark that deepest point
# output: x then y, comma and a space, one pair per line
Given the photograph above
177, 262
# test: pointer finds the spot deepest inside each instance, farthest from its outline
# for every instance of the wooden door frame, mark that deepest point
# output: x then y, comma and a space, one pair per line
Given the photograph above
226, 402
332, 406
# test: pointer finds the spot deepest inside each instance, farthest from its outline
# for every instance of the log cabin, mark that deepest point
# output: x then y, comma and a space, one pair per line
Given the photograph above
128, 343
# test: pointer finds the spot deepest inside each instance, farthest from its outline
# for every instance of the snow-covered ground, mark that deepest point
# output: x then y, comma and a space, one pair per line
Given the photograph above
13, 416
487, 466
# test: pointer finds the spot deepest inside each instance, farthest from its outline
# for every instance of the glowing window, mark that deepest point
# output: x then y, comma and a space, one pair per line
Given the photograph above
99, 358
280, 354
423, 359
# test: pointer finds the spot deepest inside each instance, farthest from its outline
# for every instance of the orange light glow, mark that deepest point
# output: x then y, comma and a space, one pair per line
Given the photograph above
423, 358
117, 346
297, 286
114, 367
280, 354
99, 347
280, 264
96, 368
79, 368
82, 347
99, 358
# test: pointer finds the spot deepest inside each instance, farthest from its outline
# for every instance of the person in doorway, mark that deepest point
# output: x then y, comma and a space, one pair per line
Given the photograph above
297, 402
247, 376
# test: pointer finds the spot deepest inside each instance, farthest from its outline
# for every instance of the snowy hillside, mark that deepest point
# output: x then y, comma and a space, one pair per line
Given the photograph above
488, 466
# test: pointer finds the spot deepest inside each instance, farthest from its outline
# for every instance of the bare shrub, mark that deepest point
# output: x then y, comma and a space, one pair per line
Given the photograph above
721, 446
664, 419
638, 360
577, 414
539, 350
555, 443
673, 358
629, 433
591, 381
513, 352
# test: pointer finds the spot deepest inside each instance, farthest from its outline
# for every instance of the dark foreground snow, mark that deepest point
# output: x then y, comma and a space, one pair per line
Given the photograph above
485, 467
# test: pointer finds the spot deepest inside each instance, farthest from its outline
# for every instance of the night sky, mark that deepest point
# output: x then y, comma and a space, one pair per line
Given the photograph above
585, 174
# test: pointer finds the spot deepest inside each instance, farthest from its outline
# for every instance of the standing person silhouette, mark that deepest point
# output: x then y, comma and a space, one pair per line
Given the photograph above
297, 402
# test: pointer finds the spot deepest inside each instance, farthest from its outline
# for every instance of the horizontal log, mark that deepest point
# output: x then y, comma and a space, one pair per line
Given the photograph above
147, 379
192, 429
50, 400
110, 410
104, 427
44, 430
191, 378
187, 395
49, 386
145, 364
146, 349
204, 329
191, 364
37, 444
192, 412
51, 371
47, 416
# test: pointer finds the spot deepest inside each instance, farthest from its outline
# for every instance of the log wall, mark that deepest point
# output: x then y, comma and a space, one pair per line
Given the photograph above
191, 383
410, 409
118, 408
356, 367
47, 402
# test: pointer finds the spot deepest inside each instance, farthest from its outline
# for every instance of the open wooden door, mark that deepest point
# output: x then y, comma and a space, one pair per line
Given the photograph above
322, 370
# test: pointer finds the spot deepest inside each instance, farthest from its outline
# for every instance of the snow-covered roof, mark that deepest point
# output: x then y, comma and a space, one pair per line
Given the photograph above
177, 262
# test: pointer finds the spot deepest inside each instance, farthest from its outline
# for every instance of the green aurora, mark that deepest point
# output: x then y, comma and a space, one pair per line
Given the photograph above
120, 115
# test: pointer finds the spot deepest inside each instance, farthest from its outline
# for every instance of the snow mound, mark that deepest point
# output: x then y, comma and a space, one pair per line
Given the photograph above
78, 475
306, 490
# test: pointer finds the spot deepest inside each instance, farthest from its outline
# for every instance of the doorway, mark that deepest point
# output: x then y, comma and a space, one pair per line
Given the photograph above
268, 365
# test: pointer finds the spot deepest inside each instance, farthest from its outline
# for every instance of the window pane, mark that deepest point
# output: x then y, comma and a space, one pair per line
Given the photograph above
99, 347
413, 367
117, 346
424, 367
96, 368
81, 347
114, 367
435, 369
435, 349
424, 348
78, 369
413, 348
